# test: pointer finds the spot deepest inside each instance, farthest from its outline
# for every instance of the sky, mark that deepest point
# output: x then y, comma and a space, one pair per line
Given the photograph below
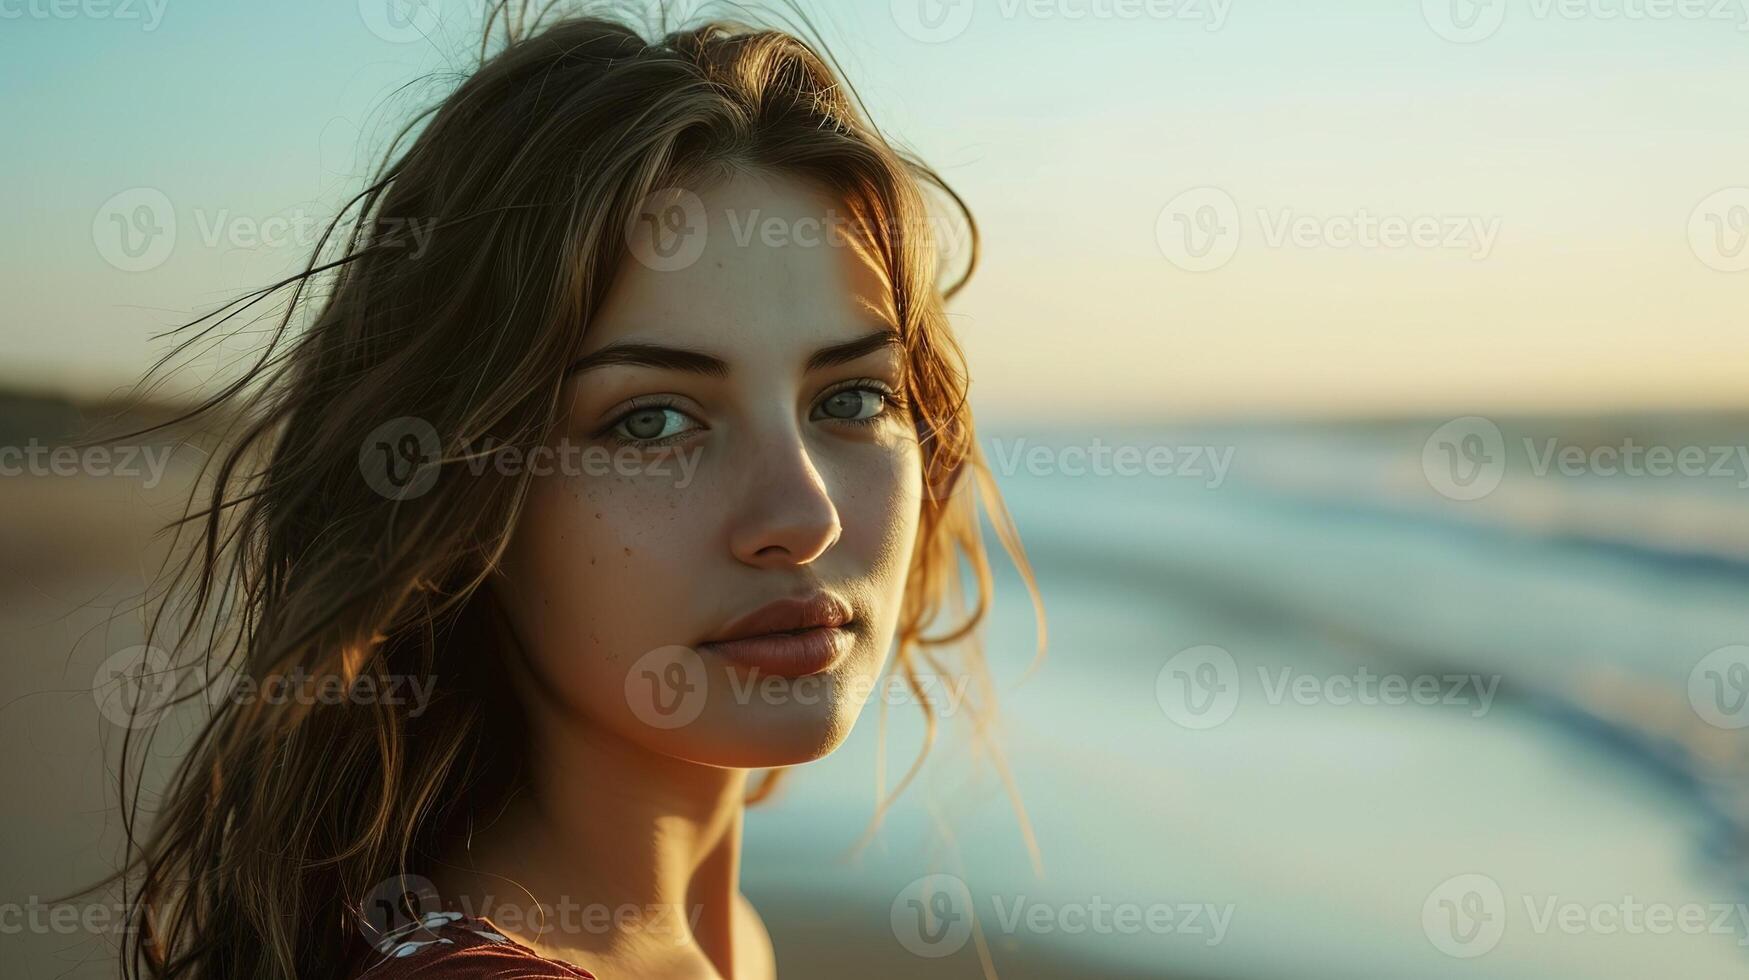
1189, 207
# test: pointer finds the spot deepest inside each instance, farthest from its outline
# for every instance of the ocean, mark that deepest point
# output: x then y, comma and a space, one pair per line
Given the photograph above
1384, 731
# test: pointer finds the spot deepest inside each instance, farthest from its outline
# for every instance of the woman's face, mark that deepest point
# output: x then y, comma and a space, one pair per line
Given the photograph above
735, 435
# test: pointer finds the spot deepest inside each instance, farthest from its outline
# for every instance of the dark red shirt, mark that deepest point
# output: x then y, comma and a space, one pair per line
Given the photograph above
453, 946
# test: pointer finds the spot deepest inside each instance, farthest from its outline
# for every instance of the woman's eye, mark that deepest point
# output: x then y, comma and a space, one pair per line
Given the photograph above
647, 424
854, 404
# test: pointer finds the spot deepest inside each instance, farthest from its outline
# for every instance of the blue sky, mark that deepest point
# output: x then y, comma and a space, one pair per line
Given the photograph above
1587, 171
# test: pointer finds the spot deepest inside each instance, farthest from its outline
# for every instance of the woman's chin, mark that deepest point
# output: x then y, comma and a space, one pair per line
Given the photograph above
762, 737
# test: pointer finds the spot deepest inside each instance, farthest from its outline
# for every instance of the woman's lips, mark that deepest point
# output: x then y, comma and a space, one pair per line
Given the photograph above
790, 637
790, 654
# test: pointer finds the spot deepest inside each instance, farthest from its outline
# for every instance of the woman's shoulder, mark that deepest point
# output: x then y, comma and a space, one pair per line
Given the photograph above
453, 946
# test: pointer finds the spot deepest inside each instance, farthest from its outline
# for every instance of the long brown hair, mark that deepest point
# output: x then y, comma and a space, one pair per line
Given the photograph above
282, 818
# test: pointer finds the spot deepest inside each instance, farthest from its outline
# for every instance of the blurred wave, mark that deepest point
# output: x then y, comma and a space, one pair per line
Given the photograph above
1593, 597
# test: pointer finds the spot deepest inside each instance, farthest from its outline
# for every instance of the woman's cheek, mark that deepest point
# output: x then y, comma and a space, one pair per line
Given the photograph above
880, 510
901, 491
594, 570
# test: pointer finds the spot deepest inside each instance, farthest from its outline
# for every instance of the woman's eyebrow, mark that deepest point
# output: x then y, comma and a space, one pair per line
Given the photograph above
655, 356
698, 362
850, 350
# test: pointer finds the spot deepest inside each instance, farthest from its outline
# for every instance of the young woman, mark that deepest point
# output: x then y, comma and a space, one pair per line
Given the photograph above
625, 440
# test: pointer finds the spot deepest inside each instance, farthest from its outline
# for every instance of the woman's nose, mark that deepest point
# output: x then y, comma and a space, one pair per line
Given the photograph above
787, 516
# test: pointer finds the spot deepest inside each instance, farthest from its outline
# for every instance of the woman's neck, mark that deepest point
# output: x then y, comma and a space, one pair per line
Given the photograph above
633, 857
